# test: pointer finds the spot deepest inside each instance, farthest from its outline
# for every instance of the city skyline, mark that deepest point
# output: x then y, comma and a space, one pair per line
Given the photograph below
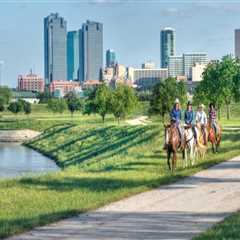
126, 37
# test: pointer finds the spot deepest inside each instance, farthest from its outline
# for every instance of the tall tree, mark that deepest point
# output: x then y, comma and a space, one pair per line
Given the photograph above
27, 108
123, 101
218, 84
164, 95
57, 105
5, 94
102, 101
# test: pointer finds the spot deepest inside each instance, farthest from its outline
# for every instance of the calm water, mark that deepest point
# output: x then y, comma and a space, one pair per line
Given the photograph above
17, 160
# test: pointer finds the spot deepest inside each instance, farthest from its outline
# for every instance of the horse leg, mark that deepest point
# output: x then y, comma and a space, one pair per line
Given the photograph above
174, 161
168, 158
186, 157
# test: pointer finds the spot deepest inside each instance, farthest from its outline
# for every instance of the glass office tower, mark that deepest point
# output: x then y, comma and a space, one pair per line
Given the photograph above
55, 52
167, 45
91, 51
110, 58
72, 55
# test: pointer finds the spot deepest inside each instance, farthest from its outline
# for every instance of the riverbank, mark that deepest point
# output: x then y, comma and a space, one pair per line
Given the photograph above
18, 135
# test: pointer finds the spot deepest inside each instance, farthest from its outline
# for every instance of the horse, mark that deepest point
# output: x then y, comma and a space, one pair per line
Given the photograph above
173, 142
201, 146
190, 145
213, 137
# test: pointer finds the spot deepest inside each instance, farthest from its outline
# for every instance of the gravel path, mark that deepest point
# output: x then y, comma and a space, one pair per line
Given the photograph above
177, 211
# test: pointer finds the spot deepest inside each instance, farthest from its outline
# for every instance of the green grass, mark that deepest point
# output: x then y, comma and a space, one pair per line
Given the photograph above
229, 229
101, 165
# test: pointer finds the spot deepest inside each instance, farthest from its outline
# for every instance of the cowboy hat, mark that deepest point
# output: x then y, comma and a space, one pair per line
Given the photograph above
177, 101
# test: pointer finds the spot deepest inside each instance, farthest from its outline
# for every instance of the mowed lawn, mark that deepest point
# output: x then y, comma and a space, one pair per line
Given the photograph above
101, 164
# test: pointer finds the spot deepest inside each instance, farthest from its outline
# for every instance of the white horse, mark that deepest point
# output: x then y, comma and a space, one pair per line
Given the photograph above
190, 146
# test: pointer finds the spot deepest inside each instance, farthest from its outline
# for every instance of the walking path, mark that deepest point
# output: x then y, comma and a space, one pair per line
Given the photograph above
142, 120
177, 211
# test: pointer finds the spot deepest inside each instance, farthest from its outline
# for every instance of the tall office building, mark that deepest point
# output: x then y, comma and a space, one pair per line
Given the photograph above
237, 43
167, 45
55, 48
72, 55
110, 58
190, 59
91, 51
175, 66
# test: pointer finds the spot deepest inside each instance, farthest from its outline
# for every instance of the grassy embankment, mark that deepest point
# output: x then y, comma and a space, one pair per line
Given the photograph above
101, 164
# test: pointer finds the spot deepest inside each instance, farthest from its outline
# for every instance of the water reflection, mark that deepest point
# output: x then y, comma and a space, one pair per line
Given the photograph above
18, 160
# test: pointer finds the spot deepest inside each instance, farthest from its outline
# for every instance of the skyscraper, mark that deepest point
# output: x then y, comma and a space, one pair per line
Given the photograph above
55, 52
167, 43
190, 59
237, 43
175, 66
91, 51
72, 55
110, 58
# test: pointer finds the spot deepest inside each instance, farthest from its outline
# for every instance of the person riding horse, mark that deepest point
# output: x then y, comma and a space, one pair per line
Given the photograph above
188, 116
176, 117
212, 116
201, 122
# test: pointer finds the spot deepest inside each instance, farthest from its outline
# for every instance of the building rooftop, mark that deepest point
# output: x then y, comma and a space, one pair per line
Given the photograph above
24, 94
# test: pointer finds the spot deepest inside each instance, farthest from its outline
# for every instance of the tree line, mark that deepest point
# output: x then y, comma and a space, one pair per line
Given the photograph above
220, 84
103, 100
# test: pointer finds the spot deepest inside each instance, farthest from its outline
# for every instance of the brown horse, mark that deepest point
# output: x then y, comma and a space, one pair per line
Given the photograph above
173, 142
213, 138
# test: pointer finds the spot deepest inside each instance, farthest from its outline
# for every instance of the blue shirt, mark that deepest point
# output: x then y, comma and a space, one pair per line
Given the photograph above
188, 117
176, 115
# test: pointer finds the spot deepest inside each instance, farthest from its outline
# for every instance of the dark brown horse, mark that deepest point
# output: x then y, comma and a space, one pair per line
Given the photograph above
173, 142
213, 138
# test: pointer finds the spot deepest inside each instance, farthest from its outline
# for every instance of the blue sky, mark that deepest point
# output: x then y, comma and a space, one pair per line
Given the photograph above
131, 28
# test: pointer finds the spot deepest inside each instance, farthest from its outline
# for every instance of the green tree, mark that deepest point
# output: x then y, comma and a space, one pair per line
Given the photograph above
44, 97
236, 82
74, 103
164, 95
15, 107
27, 108
57, 105
123, 101
102, 101
2, 107
5, 94
218, 84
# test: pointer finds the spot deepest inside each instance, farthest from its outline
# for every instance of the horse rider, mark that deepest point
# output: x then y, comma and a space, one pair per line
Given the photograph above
176, 116
212, 116
188, 115
201, 120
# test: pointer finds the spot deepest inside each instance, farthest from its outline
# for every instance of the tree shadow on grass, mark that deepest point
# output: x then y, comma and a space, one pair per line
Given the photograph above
105, 148
51, 131
92, 184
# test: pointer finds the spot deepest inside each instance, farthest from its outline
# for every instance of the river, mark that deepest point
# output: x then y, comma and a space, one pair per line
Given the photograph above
18, 160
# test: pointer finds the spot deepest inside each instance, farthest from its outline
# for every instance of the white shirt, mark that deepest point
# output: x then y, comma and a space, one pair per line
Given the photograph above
201, 117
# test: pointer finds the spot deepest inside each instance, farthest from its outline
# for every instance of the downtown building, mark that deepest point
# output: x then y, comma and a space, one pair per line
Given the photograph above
145, 79
91, 51
182, 65
110, 58
73, 55
55, 48
237, 43
30, 83
167, 45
